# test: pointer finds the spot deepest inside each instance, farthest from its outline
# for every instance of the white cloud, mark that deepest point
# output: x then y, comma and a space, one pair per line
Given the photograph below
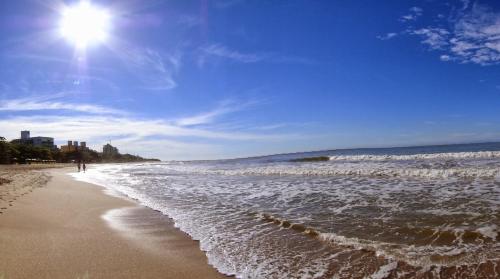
408, 17
445, 57
39, 103
202, 118
472, 37
477, 37
435, 38
415, 12
152, 134
181, 138
224, 107
387, 36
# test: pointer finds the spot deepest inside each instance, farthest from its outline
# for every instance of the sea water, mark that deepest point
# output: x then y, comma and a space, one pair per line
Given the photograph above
430, 212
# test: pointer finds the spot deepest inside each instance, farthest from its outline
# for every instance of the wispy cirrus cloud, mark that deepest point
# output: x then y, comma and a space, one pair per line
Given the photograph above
37, 57
202, 118
224, 107
154, 69
224, 52
99, 126
157, 135
200, 135
50, 102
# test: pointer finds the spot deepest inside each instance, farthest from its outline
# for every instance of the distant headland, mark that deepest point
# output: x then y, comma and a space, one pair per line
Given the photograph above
28, 150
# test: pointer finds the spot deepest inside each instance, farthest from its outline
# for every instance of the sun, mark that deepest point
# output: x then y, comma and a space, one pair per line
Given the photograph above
84, 24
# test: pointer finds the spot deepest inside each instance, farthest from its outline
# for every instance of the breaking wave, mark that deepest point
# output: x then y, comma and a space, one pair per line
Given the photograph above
434, 156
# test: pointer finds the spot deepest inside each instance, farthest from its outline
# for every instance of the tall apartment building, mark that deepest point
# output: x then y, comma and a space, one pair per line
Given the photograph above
47, 142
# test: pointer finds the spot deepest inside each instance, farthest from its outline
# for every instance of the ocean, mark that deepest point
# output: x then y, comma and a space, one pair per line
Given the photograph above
409, 212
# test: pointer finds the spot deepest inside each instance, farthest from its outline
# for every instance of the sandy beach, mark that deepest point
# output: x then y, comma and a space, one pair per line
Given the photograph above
68, 229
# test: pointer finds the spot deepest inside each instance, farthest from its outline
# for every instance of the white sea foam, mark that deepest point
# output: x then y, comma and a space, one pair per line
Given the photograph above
489, 231
432, 156
384, 271
352, 169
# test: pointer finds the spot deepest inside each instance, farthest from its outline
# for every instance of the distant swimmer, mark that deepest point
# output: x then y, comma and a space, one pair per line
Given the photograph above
84, 167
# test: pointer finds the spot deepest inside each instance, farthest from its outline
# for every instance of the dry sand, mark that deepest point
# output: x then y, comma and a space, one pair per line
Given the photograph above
19, 180
70, 229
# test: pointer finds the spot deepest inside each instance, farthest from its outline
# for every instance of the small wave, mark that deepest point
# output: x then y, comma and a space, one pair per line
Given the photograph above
438, 250
288, 225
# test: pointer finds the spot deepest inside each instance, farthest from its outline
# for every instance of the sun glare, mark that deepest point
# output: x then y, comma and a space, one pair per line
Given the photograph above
84, 24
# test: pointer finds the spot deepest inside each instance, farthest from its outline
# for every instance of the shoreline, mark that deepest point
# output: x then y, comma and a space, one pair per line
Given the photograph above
73, 229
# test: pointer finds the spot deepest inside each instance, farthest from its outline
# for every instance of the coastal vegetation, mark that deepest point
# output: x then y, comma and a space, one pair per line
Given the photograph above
14, 152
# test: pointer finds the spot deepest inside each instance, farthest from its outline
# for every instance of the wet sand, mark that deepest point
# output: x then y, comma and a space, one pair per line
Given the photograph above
70, 229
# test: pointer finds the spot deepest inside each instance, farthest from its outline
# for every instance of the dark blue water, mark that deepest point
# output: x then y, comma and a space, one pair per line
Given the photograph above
409, 150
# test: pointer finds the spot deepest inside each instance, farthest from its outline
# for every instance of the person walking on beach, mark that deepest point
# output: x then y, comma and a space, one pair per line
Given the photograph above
84, 167
79, 166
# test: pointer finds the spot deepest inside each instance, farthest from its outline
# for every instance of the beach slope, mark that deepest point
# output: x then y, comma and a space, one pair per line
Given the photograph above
58, 231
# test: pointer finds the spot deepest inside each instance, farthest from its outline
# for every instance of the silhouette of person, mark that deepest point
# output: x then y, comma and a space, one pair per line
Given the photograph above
84, 167
79, 166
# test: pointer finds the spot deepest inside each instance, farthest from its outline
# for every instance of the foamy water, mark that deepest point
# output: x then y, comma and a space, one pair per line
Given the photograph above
354, 216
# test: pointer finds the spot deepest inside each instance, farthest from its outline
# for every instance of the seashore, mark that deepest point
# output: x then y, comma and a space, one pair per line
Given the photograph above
52, 226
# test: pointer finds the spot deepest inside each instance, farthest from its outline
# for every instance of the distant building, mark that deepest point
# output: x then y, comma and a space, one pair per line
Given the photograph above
25, 135
47, 142
43, 142
73, 146
68, 148
109, 151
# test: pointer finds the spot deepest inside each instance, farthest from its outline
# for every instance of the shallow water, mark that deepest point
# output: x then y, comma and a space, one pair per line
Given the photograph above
368, 214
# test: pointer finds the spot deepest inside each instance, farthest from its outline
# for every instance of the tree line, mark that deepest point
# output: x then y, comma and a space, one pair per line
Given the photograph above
13, 152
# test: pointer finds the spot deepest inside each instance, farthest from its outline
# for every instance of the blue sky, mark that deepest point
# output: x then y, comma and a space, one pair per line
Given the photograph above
234, 78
